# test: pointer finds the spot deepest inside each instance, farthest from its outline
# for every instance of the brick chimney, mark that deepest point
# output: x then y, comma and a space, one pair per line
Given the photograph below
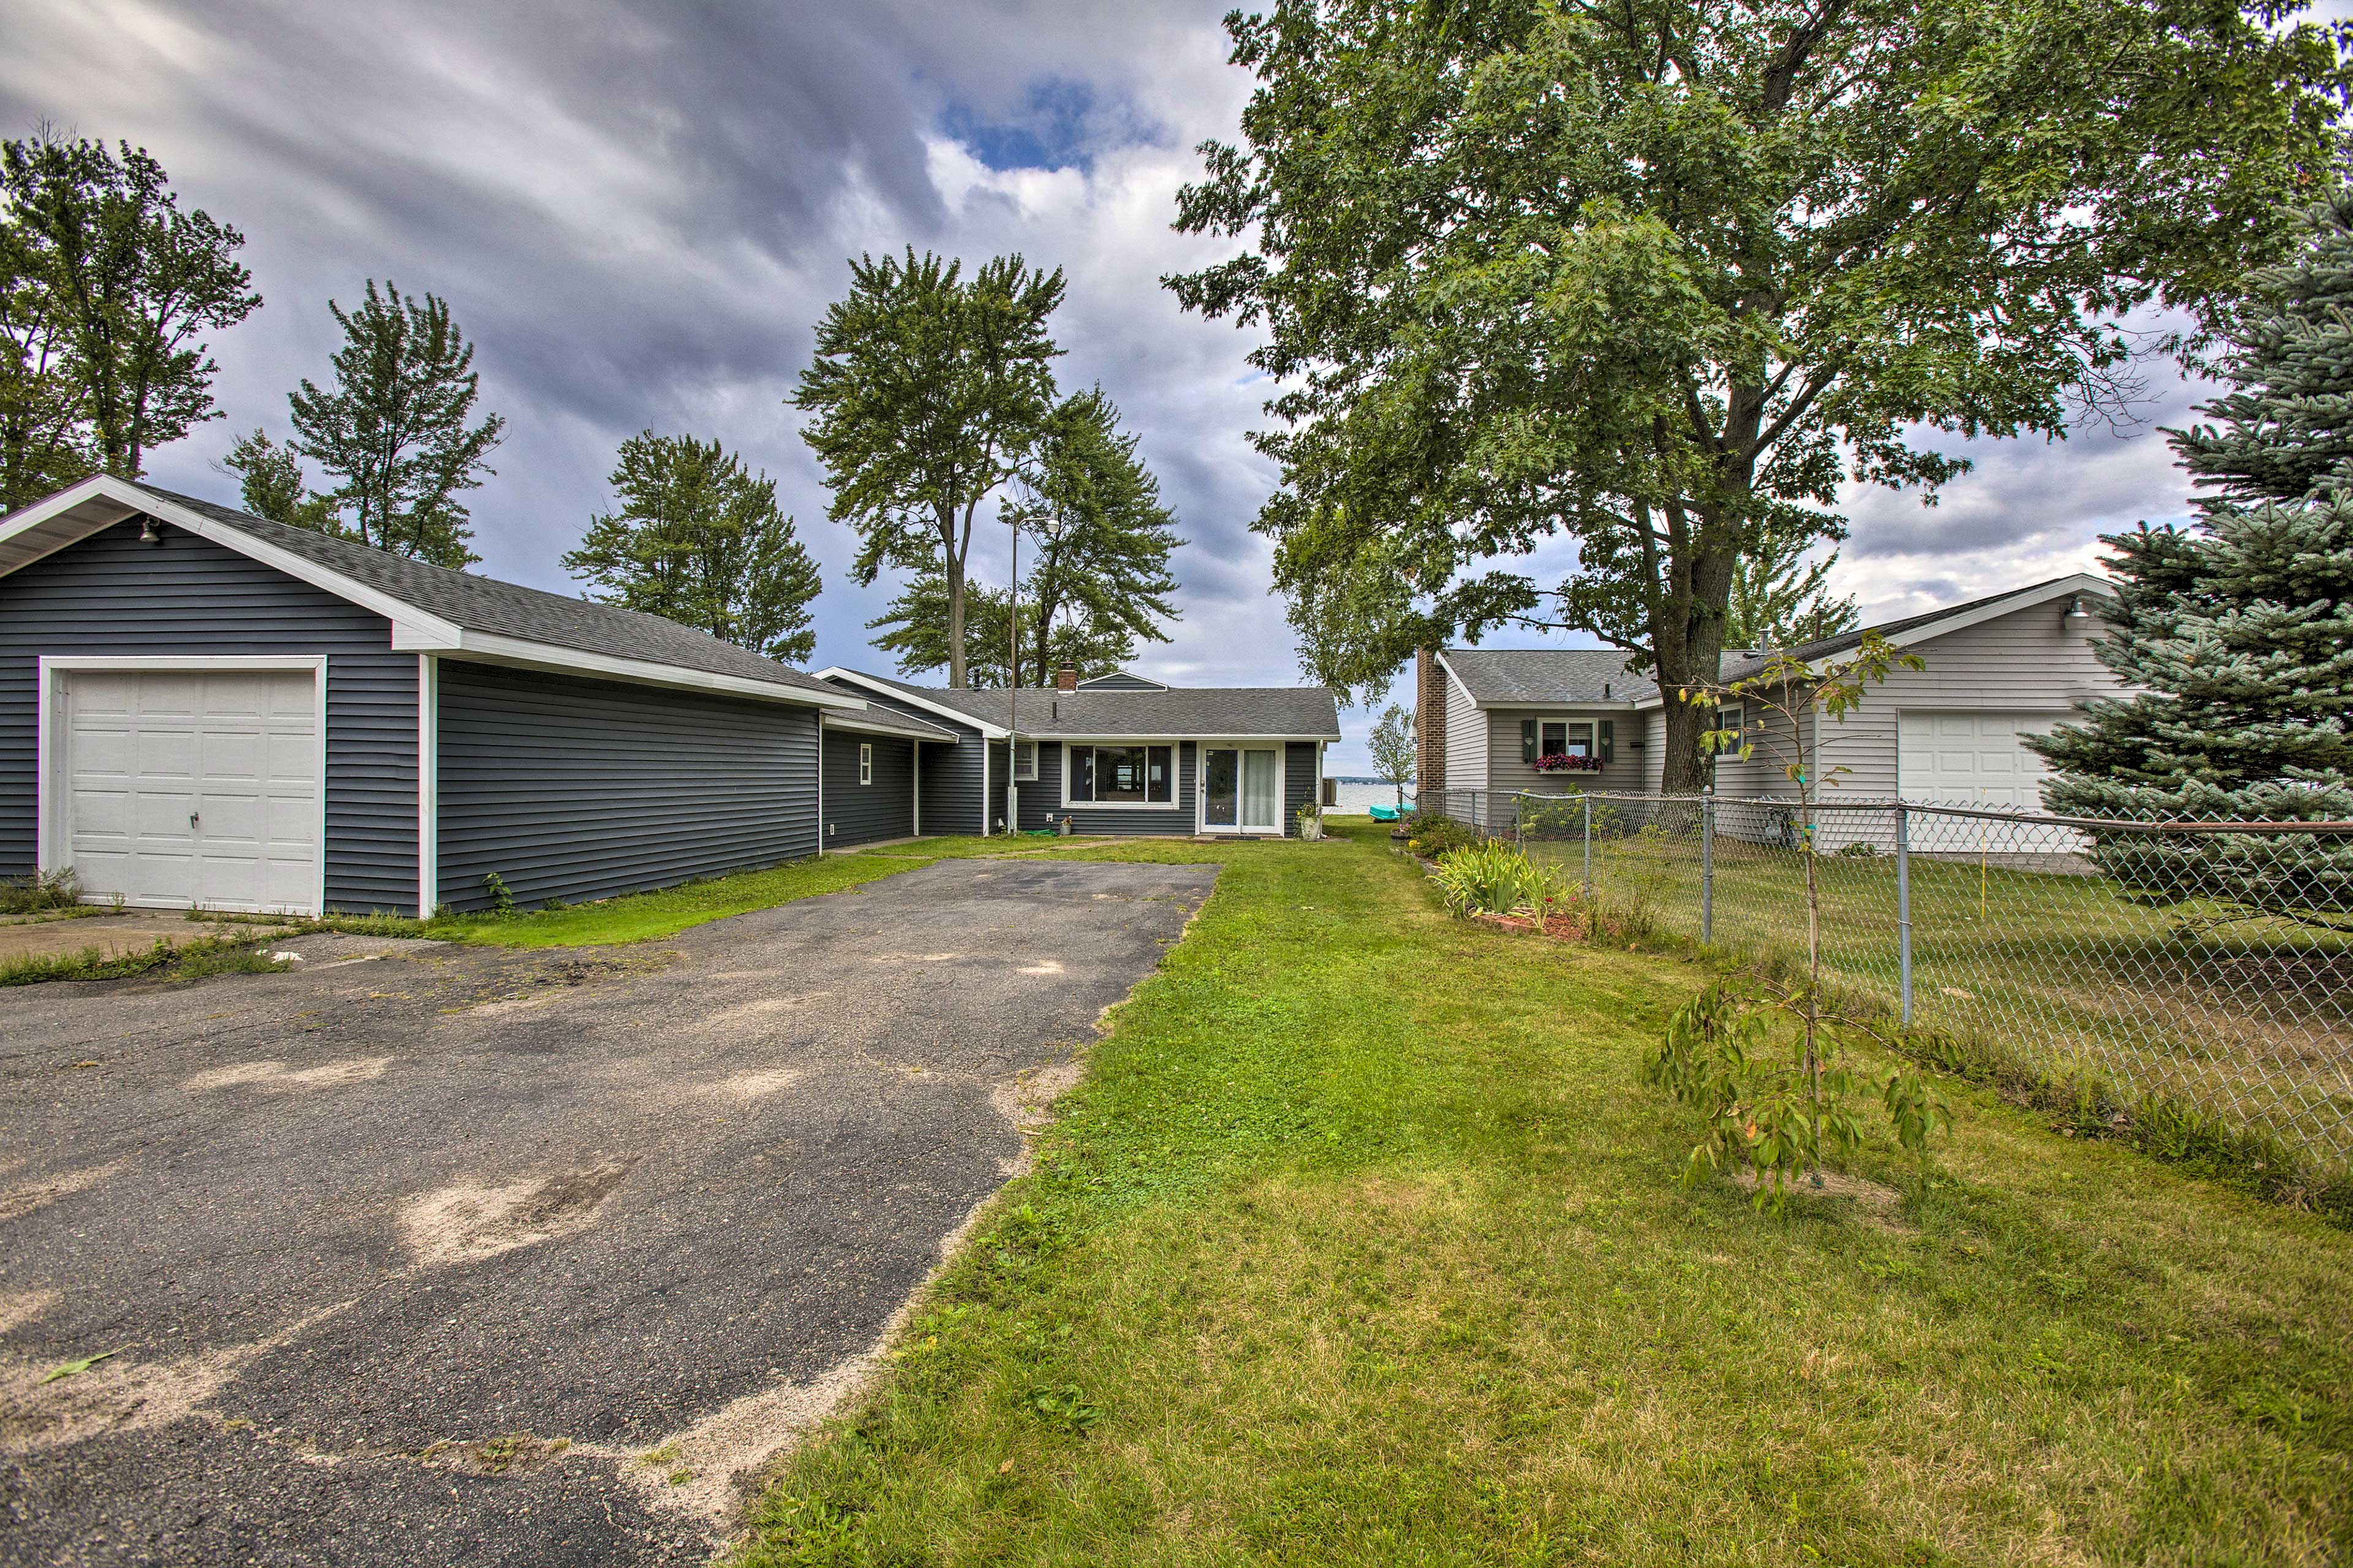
1429, 721
1066, 680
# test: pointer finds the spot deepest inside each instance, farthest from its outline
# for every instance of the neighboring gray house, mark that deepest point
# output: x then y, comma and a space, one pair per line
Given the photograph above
200, 707
1118, 754
1997, 668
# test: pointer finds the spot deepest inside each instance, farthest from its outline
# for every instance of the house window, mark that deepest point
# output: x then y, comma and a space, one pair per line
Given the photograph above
1122, 776
1025, 762
1560, 737
865, 761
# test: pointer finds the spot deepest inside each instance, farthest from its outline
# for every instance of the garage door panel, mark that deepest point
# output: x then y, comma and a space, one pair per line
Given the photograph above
1975, 757
235, 751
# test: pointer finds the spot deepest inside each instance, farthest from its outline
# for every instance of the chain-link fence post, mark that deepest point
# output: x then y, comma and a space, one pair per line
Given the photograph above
1519, 822
1707, 863
1589, 845
1903, 906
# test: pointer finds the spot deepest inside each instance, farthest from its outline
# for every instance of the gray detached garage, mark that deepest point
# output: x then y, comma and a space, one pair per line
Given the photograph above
198, 706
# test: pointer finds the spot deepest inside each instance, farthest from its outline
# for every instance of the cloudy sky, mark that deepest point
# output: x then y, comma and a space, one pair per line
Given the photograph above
637, 211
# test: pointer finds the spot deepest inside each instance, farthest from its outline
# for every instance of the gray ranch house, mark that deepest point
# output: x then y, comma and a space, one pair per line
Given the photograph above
1116, 754
1997, 668
198, 706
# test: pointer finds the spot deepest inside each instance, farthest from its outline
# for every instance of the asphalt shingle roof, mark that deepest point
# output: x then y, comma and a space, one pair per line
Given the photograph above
1546, 674
508, 609
1307, 711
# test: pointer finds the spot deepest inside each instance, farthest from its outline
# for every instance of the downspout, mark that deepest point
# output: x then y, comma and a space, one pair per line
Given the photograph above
429, 784
915, 782
821, 784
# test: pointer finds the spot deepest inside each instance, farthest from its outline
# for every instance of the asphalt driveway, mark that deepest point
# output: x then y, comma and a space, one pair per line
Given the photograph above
427, 1254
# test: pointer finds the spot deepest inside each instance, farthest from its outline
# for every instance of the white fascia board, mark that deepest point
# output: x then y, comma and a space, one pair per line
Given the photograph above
2065, 588
2081, 583
425, 632
843, 718
1140, 738
884, 689
490, 647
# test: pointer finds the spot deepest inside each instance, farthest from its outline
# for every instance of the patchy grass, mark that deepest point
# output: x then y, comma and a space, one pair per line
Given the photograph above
175, 961
1360, 1244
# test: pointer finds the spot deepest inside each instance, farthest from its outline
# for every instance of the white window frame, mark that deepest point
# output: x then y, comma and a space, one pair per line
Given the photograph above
1174, 802
51, 850
1025, 762
1282, 749
866, 761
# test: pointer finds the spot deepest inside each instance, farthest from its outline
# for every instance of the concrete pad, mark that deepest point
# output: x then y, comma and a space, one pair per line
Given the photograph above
112, 935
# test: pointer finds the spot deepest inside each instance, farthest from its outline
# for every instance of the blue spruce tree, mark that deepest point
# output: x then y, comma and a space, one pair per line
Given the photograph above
2238, 631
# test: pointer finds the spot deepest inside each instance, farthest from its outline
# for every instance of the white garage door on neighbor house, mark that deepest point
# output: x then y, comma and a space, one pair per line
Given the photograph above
1971, 757
185, 787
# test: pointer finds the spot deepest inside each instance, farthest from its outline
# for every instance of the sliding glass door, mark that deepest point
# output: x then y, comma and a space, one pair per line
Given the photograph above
1241, 789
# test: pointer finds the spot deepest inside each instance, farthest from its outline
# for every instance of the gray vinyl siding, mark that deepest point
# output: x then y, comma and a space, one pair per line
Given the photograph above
1044, 800
950, 773
1300, 779
580, 789
1653, 769
110, 595
1466, 738
2023, 661
1505, 769
863, 813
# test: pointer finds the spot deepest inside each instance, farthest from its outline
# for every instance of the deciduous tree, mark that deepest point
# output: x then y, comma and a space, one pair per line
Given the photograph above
927, 393
109, 289
1392, 746
394, 430
1099, 582
1658, 277
695, 536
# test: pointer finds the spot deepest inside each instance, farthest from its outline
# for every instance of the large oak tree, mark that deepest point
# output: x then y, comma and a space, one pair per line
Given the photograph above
1657, 276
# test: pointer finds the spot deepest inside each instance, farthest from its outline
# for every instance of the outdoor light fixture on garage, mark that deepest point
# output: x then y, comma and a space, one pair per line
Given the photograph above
149, 533
2078, 617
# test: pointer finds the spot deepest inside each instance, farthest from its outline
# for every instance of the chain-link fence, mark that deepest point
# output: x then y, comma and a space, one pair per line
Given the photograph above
2209, 962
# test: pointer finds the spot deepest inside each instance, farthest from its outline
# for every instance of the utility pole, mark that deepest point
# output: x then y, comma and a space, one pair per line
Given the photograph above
1013, 688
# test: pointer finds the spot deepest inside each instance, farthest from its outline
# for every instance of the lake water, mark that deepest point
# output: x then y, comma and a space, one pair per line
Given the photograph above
1355, 796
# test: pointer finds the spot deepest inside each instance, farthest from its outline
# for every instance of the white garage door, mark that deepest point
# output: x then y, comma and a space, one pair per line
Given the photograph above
1974, 757
183, 788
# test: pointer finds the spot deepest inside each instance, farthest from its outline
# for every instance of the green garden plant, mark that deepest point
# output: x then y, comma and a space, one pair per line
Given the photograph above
1495, 879
1780, 1113
1436, 837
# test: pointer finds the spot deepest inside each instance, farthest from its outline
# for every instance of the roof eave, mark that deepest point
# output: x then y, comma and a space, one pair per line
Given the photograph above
520, 653
881, 687
101, 501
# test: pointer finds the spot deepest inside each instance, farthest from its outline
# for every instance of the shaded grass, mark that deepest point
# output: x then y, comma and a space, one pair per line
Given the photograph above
1360, 1244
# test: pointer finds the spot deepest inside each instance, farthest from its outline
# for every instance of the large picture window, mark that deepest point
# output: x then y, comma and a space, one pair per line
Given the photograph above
1122, 776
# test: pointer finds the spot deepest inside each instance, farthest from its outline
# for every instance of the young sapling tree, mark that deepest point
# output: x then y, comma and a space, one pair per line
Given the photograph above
1781, 1119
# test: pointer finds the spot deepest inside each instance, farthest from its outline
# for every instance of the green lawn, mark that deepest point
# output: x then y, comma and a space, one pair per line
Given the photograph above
1359, 1243
2253, 1021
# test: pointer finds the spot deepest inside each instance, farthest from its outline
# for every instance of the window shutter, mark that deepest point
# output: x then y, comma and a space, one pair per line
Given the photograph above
1606, 739
1527, 740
